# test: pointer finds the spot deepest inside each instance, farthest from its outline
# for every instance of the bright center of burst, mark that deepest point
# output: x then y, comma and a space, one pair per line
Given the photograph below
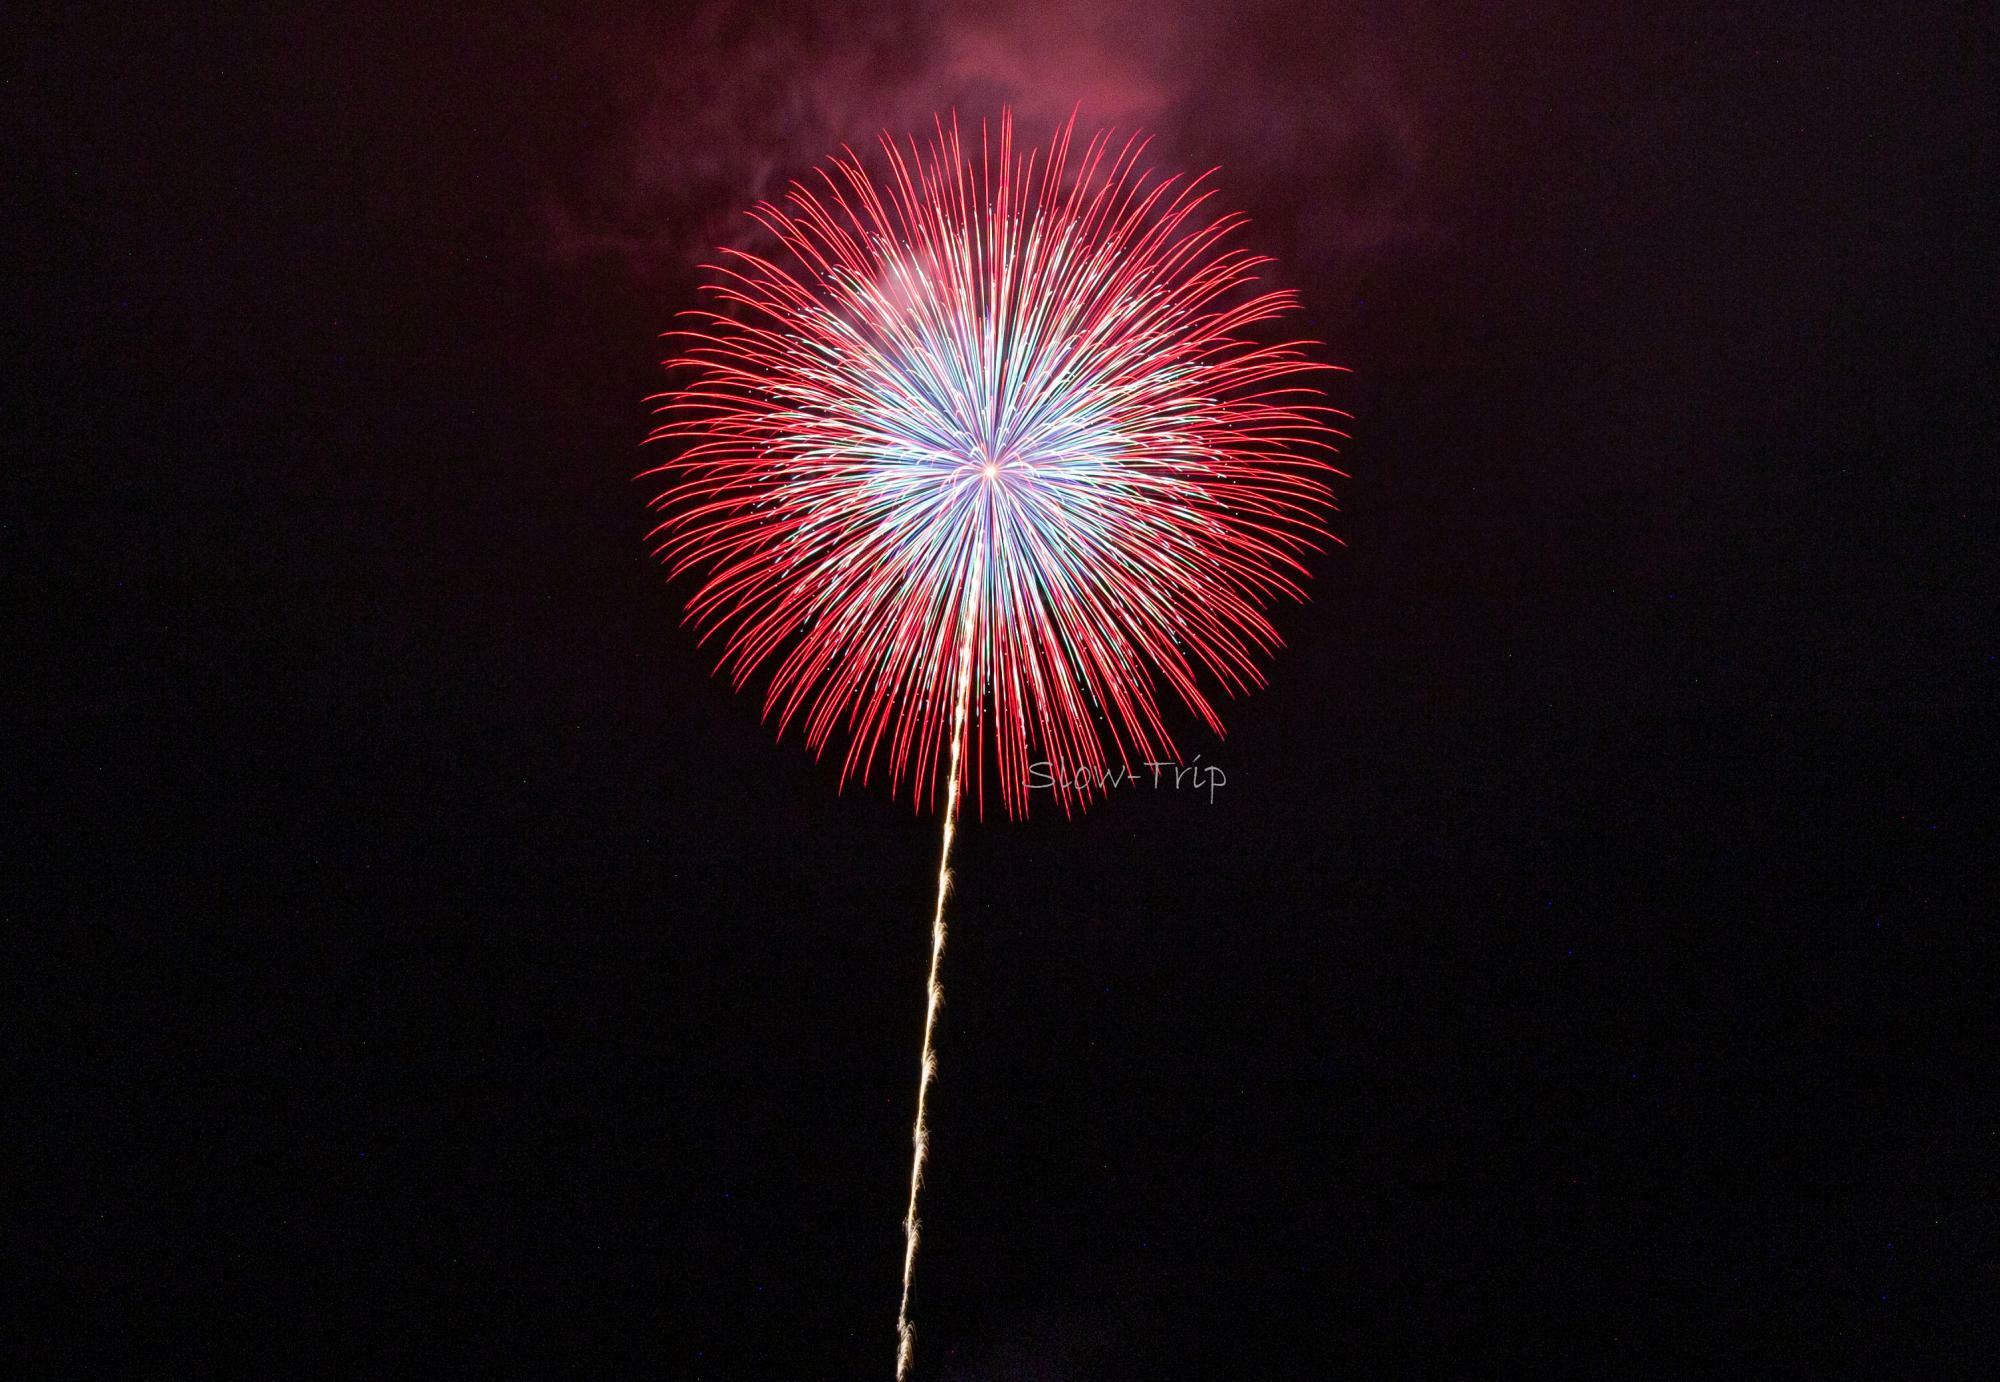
992, 471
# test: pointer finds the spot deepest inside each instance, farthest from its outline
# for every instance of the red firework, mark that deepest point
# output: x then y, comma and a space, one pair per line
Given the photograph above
983, 457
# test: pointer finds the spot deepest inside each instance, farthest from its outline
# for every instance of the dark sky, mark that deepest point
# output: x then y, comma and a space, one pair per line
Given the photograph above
422, 968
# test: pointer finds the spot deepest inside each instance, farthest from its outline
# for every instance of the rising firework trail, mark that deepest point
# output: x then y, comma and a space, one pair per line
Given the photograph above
984, 454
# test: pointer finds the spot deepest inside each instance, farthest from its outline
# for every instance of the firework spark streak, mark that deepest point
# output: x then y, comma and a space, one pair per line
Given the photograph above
933, 995
981, 459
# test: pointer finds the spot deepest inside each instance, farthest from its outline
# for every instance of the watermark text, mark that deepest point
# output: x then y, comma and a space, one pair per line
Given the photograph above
1165, 775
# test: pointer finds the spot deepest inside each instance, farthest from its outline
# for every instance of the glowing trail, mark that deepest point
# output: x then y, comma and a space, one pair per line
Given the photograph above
933, 993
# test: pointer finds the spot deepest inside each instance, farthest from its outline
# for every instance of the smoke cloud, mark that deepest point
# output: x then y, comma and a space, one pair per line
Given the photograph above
1314, 127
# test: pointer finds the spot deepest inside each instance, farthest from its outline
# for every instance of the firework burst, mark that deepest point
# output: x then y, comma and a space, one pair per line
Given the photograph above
1002, 404
982, 459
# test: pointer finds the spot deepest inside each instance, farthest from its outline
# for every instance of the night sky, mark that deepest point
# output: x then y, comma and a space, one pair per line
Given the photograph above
420, 967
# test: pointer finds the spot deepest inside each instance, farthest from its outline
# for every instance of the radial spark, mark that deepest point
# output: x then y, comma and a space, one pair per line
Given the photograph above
1029, 365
